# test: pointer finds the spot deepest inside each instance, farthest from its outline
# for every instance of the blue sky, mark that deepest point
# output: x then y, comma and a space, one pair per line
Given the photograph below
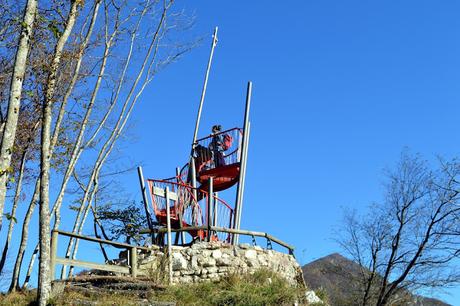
340, 89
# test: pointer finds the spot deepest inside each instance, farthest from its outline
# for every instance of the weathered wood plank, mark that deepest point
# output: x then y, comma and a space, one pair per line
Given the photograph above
133, 261
161, 193
54, 245
113, 243
92, 265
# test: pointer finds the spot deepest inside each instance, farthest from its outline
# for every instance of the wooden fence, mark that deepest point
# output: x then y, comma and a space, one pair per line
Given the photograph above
131, 268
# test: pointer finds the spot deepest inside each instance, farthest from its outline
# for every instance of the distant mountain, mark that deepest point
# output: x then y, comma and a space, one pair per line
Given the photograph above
338, 275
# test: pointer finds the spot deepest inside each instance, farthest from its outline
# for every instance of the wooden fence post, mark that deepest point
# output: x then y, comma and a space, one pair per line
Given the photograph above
54, 242
133, 261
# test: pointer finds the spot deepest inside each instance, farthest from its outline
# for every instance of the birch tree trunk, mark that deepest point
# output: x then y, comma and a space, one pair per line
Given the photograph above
13, 211
16, 199
9, 132
106, 149
107, 143
44, 277
77, 149
14, 285
56, 134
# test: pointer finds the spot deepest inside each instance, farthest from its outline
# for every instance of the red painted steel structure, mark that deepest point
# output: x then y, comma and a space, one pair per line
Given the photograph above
224, 176
187, 210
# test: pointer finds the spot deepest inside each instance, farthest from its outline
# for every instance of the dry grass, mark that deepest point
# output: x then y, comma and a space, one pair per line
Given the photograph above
261, 288
70, 298
18, 298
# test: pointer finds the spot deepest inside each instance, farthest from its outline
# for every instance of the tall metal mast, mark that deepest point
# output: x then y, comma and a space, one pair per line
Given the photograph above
203, 92
244, 156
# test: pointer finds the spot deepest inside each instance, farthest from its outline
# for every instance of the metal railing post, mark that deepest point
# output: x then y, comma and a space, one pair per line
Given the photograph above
179, 213
193, 173
210, 201
168, 224
214, 210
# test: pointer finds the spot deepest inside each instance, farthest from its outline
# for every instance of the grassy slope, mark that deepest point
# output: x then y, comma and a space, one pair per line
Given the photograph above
261, 288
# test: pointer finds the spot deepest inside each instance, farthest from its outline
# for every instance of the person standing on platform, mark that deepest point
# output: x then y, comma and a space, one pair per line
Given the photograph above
217, 146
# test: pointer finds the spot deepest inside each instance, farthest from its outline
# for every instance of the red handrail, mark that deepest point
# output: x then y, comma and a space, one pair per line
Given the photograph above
224, 132
179, 206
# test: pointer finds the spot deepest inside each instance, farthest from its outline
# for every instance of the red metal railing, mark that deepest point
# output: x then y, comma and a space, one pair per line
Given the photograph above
224, 218
187, 208
204, 156
232, 154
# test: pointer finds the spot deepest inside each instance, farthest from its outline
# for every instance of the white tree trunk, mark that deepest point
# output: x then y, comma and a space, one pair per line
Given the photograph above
9, 132
16, 200
106, 149
44, 277
14, 285
12, 220
55, 137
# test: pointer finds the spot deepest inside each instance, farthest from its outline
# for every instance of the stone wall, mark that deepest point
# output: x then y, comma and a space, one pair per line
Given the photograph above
205, 261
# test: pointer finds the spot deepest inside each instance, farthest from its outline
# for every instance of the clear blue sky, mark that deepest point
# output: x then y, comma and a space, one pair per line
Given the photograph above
340, 88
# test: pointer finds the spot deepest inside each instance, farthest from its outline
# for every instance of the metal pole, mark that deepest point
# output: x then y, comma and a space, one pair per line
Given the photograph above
239, 152
144, 198
205, 84
242, 174
195, 194
210, 201
182, 235
168, 224
243, 178
214, 210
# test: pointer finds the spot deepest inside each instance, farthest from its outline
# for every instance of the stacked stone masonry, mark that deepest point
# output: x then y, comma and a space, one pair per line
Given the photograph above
210, 261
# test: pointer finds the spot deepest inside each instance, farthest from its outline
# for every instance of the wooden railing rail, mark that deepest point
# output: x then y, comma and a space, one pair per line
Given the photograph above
132, 250
132, 268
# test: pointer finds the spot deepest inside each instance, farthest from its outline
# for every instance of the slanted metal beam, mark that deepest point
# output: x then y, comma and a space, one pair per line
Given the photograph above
242, 174
144, 197
205, 84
